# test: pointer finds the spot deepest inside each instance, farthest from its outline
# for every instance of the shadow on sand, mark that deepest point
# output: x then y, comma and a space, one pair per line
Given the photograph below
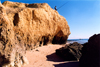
69, 64
53, 57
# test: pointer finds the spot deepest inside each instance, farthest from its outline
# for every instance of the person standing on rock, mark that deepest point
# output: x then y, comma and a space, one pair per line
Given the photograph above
56, 8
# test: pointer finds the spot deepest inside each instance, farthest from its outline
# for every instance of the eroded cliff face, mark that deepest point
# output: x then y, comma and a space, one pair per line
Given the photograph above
27, 26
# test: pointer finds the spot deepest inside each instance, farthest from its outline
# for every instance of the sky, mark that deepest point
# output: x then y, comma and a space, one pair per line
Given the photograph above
83, 16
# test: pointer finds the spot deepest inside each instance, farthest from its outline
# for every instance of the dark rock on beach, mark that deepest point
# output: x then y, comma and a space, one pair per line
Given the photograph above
70, 52
91, 52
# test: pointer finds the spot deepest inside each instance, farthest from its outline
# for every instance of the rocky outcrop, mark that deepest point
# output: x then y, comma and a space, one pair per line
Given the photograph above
70, 52
27, 26
12, 51
91, 52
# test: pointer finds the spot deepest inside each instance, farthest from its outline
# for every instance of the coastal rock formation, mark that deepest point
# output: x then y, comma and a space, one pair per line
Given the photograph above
27, 26
91, 52
70, 52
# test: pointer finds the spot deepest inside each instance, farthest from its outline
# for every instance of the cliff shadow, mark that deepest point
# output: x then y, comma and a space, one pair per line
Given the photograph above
53, 57
69, 64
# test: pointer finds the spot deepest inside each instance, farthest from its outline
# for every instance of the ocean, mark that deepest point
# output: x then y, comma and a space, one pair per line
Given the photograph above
81, 41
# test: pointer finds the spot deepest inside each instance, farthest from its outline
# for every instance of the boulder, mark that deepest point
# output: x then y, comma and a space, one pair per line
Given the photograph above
91, 52
27, 26
70, 52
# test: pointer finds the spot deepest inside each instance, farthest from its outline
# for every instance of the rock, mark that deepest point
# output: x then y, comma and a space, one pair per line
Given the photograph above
37, 50
37, 23
91, 52
28, 26
70, 52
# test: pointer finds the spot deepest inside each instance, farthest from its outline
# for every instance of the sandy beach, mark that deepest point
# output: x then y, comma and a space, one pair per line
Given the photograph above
45, 57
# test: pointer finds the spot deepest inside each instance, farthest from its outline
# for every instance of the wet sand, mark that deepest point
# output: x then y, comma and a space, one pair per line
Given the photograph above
45, 57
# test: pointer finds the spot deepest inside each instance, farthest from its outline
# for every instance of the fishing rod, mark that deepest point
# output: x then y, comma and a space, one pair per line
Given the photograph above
62, 5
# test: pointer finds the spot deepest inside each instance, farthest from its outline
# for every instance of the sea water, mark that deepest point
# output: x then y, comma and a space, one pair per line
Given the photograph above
81, 41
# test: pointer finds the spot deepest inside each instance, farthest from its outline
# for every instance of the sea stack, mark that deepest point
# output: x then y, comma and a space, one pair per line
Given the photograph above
91, 52
27, 26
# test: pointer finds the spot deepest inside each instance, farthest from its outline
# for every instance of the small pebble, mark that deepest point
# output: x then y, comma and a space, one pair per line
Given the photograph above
37, 50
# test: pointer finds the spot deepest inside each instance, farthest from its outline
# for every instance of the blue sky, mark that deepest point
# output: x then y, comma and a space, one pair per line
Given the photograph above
83, 16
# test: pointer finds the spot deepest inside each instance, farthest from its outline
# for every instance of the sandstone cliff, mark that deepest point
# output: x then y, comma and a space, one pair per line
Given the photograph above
27, 26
